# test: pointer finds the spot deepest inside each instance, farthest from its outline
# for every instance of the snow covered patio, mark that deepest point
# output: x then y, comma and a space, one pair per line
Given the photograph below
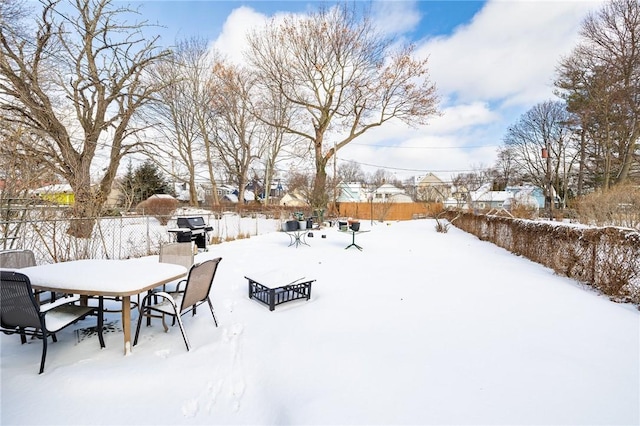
418, 328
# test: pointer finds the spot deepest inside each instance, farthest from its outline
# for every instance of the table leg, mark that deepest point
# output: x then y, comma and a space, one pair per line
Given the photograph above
126, 323
101, 320
353, 242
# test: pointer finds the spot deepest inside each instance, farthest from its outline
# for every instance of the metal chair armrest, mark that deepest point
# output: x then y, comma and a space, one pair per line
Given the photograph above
162, 294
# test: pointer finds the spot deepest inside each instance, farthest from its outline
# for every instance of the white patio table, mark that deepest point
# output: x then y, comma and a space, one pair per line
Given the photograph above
99, 277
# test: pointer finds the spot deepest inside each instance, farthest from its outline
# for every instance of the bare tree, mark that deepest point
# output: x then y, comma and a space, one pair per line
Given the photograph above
301, 183
506, 169
19, 174
541, 145
185, 115
350, 172
274, 111
382, 176
343, 79
12, 17
240, 135
600, 81
77, 85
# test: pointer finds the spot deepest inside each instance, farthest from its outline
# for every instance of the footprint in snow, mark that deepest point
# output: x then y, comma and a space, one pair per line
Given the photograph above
163, 353
190, 408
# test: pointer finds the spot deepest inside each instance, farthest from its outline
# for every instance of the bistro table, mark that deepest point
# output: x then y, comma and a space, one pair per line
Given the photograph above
297, 237
100, 277
353, 238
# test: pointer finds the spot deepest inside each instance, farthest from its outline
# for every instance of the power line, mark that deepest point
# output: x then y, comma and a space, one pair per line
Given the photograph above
408, 170
425, 147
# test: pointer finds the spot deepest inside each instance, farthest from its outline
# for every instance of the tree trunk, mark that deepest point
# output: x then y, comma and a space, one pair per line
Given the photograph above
319, 193
84, 212
628, 156
583, 158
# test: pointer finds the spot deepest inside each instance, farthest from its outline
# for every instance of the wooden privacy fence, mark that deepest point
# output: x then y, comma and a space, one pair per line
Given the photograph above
607, 258
389, 211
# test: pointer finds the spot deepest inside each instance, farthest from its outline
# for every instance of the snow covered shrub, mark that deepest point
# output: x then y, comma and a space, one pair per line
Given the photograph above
162, 208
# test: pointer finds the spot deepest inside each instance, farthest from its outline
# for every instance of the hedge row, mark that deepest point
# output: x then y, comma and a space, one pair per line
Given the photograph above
606, 258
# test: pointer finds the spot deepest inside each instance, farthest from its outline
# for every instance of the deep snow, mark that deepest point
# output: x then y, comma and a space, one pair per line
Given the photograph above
418, 328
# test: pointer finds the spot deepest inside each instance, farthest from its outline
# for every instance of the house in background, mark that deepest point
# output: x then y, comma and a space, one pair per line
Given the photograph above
351, 192
431, 188
229, 194
387, 193
526, 195
486, 199
182, 192
294, 199
60, 193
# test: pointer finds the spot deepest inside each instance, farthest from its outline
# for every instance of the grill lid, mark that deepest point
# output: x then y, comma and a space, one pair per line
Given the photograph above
196, 222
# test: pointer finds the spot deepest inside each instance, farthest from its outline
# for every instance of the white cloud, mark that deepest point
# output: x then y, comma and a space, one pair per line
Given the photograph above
233, 38
457, 117
508, 52
395, 17
488, 72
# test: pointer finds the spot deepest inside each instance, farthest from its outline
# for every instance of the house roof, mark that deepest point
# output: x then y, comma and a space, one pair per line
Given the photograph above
230, 197
387, 188
484, 194
54, 189
428, 179
164, 196
294, 198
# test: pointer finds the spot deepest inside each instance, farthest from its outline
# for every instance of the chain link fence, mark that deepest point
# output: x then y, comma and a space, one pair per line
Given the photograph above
121, 237
606, 258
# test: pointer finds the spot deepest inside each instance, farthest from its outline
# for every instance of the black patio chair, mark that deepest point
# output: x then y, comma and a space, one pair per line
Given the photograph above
176, 304
21, 314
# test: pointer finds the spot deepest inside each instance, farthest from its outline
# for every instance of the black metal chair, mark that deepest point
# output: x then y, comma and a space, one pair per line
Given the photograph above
195, 293
21, 314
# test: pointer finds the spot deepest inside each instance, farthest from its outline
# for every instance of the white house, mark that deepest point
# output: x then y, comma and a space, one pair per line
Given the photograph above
400, 198
294, 199
182, 192
351, 192
229, 194
430, 187
484, 198
388, 193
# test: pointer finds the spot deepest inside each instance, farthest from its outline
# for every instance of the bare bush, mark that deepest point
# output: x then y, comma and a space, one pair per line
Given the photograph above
524, 210
618, 206
442, 227
159, 207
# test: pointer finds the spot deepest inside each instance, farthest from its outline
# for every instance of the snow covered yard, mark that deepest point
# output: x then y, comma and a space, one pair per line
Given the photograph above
418, 328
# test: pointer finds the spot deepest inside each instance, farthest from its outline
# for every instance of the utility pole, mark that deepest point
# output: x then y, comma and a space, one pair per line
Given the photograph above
549, 201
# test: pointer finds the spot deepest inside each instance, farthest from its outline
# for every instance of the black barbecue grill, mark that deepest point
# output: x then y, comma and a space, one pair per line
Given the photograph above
192, 229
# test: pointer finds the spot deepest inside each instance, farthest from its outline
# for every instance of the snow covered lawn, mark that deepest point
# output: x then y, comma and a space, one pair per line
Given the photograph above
418, 328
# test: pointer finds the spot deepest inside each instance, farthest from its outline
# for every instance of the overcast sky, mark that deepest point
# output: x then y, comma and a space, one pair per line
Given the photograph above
491, 61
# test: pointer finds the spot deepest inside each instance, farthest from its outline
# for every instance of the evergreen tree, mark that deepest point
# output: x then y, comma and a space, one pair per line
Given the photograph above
145, 181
